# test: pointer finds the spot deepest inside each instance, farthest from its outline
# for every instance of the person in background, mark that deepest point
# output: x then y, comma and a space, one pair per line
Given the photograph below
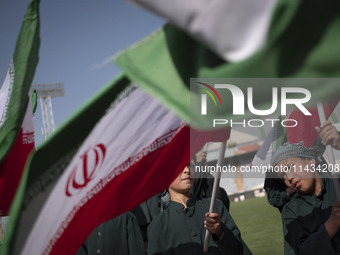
204, 182
278, 194
120, 235
311, 218
145, 212
180, 229
202, 188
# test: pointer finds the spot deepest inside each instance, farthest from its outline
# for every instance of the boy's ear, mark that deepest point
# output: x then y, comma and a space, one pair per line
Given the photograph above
311, 161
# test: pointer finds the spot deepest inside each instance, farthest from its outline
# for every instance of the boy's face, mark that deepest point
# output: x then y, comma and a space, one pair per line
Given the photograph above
183, 183
298, 174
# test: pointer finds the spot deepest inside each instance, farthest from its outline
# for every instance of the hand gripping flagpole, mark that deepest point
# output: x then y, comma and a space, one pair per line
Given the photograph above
214, 191
329, 151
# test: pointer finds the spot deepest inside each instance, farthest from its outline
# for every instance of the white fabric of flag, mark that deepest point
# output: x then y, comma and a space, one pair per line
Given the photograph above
234, 30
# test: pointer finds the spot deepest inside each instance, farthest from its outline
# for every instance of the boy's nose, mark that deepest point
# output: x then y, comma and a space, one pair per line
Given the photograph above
290, 176
291, 179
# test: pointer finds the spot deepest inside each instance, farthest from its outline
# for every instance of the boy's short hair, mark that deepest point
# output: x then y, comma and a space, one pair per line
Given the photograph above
296, 150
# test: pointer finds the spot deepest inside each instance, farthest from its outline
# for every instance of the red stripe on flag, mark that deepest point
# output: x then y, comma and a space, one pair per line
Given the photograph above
114, 196
305, 130
218, 135
11, 169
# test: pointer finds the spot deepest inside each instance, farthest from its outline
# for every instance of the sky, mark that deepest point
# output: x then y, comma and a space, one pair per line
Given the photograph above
77, 39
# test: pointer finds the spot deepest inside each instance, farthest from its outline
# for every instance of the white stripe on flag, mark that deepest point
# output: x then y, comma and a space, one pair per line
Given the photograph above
5, 94
136, 126
27, 125
234, 30
264, 154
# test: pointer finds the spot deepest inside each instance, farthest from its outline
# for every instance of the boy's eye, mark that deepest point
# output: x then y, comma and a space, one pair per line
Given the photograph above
290, 167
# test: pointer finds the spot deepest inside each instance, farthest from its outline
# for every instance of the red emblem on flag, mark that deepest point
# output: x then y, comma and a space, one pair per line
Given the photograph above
90, 161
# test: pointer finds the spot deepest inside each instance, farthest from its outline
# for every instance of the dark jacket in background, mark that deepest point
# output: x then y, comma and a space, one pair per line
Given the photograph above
181, 231
303, 219
120, 236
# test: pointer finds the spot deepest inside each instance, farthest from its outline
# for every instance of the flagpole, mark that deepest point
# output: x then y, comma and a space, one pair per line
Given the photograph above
329, 150
206, 146
214, 191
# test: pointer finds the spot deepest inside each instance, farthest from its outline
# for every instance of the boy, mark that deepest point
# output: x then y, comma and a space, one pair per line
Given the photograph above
278, 194
311, 219
180, 229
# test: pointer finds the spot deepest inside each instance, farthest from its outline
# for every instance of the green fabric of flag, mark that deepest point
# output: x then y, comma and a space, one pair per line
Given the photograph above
25, 60
34, 101
302, 42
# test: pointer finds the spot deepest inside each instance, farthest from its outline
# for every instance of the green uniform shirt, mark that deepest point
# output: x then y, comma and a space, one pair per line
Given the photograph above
120, 236
276, 192
181, 231
303, 220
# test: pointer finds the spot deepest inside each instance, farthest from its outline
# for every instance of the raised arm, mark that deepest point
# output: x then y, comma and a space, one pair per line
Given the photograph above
329, 135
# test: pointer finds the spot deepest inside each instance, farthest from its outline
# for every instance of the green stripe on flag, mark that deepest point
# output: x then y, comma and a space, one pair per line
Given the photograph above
279, 136
302, 43
25, 60
34, 101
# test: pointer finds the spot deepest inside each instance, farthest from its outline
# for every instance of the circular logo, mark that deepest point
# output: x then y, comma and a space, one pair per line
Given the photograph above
89, 163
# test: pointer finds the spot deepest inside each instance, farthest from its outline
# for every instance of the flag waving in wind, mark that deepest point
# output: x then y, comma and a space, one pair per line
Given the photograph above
13, 165
297, 45
124, 146
16, 134
129, 149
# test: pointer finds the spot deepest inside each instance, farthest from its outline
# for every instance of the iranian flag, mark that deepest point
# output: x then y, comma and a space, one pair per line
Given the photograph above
13, 165
16, 117
125, 145
93, 169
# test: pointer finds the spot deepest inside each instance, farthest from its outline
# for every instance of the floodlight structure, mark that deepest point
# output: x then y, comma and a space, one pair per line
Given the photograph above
45, 92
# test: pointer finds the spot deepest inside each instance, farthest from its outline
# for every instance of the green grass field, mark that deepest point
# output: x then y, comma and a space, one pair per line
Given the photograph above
260, 225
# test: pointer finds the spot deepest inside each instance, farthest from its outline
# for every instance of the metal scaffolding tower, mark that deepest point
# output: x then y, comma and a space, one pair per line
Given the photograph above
45, 92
